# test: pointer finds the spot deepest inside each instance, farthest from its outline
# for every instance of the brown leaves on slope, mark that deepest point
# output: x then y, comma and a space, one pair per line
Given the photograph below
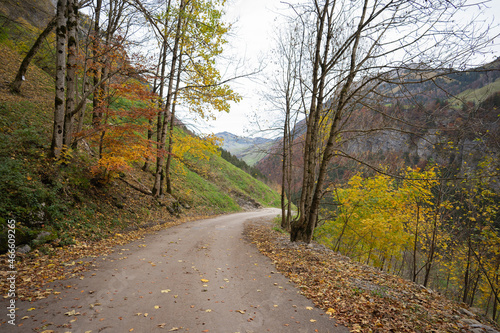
358, 296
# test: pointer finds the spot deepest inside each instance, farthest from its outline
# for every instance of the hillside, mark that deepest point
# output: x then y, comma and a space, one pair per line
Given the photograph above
461, 108
250, 150
360, 296
60, 204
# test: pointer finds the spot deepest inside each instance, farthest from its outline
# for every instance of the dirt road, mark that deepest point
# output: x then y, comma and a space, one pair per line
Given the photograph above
196, 277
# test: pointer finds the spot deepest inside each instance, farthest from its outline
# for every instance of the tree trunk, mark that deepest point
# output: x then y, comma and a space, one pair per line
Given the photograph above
432, 246
467, 270
302, 229
284, 168
96, 42
71, 78
21, 73
160, 159
171, 128
59, 108
415, 241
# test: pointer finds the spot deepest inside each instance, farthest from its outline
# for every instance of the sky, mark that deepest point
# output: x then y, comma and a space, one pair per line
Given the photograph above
250, 41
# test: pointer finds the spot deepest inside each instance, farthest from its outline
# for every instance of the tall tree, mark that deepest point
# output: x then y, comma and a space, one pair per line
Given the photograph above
158, 187
197, 41
355, 46
60, 95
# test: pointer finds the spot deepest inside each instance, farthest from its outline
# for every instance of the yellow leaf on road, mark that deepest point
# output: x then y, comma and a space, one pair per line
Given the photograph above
72, 313
204, 280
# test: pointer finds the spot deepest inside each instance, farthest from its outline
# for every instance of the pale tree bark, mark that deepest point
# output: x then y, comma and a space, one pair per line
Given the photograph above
60, 84
71, 77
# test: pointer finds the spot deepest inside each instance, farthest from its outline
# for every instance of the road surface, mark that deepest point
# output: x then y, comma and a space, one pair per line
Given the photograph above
200, 276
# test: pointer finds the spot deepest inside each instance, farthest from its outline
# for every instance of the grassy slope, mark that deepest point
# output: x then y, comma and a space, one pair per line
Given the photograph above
477, 95
62, 199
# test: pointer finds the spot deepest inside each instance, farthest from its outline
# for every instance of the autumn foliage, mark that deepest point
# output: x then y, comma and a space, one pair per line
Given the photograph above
439, 233
120, 137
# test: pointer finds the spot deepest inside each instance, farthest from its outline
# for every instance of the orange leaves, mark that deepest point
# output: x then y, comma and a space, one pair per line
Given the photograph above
120, 138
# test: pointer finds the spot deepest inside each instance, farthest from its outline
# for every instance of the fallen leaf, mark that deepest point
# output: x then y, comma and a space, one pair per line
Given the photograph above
157, 306
309, 307
204, 280
31, 309
312, 320
72, 313
166, 291
330, 311
208, 310
240, 311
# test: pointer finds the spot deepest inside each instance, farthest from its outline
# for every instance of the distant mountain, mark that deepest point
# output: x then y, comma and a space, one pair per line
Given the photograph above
250, 150
461, 108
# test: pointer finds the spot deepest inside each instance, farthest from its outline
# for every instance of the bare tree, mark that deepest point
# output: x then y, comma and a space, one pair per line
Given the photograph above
354, 50
285, 96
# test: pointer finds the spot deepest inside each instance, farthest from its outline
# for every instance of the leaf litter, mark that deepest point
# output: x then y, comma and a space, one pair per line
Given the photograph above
358, 296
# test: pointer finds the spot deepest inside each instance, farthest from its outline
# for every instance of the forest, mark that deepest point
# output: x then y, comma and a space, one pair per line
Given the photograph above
383, 155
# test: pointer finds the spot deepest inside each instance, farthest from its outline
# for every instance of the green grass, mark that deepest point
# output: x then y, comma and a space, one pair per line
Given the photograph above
230, 177
477, 95
195, 190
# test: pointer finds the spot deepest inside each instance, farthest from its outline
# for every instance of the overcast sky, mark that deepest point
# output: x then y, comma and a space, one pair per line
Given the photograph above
251, 39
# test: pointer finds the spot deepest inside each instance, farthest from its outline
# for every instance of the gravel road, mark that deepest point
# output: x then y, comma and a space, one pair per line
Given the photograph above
200, 276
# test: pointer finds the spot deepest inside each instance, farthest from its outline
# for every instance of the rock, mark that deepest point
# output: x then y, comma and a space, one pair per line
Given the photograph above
477, 330
43, 235
476, 327
470, 322
23, 249
466, 312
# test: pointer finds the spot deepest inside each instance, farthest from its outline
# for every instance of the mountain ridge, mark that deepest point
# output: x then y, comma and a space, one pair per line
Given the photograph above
248, 149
